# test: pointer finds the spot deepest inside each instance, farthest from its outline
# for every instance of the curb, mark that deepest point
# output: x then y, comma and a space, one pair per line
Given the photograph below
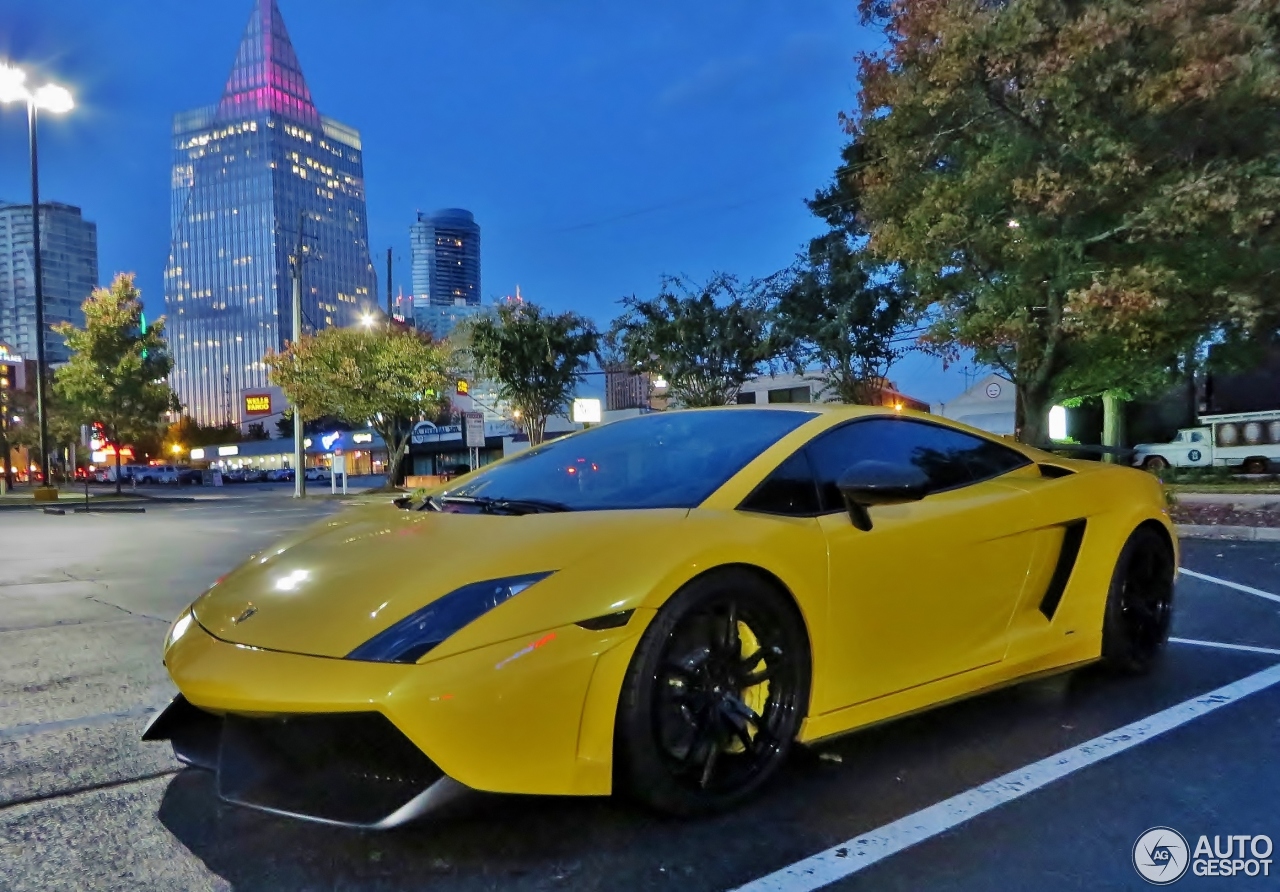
94, 504
1210, 531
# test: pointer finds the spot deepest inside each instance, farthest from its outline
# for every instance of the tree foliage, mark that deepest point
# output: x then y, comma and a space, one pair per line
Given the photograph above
535, 358
844, 312
188, 433
116, 373
387, 378
706, 340
1065, 181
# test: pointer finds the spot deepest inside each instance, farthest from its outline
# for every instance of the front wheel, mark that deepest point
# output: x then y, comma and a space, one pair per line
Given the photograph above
1155, 463
1139, 606
714, 695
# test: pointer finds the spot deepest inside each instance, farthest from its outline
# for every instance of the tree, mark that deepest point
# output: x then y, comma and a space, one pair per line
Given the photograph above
535, 358
116, 374
387, 378
187, 433
705, 340
257, 431
841, 310
1049, 171
63, 424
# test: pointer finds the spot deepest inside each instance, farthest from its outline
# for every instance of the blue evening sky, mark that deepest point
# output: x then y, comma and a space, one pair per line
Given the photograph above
599, 144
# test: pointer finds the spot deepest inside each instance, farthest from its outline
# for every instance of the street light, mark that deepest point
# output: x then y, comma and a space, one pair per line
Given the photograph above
55, 100
366, 319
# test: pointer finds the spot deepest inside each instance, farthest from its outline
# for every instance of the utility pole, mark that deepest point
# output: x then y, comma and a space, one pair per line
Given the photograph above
45, 492
299, 459
388, 286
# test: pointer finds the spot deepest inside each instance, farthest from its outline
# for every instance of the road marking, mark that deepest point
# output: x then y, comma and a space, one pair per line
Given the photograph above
1222, 644
1248, 589
861, 852
45, 727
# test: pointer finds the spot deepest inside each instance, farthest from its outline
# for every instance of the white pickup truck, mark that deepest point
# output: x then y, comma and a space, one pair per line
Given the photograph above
1249, 441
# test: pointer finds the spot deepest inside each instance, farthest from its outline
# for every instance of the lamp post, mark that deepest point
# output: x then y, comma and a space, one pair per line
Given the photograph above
57, 100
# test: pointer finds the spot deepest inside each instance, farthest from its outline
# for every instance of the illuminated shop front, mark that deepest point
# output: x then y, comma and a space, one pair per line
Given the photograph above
365, 452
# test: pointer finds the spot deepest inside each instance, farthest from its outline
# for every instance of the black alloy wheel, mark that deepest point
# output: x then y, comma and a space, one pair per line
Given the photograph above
1140, 603
714, 695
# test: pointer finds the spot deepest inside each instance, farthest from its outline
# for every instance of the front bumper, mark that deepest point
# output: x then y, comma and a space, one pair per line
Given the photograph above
350, 769
280, 729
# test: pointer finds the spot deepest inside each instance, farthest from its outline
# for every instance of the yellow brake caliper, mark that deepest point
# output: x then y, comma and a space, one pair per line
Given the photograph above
758, 694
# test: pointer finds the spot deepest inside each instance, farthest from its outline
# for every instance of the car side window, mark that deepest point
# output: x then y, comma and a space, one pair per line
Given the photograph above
1197, 437
789, 490
949, 458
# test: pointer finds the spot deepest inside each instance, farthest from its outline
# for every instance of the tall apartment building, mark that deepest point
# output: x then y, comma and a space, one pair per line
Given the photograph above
446, 258
69, 257
254, 176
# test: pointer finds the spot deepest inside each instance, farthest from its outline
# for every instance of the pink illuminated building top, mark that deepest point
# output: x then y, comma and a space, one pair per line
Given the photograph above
266, 76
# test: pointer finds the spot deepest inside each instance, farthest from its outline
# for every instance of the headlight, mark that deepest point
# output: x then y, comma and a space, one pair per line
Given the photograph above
417, 633
178, 629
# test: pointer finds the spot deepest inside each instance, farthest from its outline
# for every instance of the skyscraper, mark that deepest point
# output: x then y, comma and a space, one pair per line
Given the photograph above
69, 255
253, 176
446, 258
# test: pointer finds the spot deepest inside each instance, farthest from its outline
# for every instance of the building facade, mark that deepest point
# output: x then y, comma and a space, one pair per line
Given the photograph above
441, 319
255, 177
446, 258
69, 256
812, 388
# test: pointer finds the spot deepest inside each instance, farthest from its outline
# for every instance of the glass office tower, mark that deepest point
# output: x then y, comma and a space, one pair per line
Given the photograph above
69, 258
253, 177
446, 258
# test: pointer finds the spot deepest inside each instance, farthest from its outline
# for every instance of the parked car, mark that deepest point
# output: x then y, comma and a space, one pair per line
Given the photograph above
316, 474
280, 475
190, 476
156, 474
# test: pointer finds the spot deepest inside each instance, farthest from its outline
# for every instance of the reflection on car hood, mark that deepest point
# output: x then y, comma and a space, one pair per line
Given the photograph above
340, 582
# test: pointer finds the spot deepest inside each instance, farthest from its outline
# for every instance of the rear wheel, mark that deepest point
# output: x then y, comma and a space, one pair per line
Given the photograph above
1140, 603
714, 695
1255, 465
1155, 463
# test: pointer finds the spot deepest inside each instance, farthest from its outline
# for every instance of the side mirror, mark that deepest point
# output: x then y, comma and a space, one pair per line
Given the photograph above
879, 483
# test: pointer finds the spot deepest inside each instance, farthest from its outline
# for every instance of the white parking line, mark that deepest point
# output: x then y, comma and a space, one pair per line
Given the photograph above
859, 853
1224, 646
1248, 589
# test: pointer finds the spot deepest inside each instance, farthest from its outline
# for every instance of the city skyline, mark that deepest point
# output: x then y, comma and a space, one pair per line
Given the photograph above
257, 179
602, 146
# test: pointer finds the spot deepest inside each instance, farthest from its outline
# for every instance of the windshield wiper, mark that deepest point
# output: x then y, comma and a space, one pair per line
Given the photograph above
506, 506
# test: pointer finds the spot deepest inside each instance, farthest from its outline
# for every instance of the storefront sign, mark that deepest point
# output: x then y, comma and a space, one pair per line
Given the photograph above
427, 432
257, 404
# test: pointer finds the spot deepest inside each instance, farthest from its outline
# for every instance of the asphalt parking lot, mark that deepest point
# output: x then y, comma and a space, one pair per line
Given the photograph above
1091, 761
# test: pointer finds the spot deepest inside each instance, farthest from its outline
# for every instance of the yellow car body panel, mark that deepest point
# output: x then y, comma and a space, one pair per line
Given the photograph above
939, 600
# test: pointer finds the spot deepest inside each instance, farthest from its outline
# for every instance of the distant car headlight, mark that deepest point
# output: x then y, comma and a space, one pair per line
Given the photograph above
417, 633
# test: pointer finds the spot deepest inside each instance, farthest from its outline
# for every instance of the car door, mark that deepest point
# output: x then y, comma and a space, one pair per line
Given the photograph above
929, 591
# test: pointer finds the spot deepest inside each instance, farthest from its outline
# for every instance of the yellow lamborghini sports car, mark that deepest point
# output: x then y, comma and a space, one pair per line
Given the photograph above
661, 606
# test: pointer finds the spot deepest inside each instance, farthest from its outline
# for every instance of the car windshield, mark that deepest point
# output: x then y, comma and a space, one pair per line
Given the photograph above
660, 460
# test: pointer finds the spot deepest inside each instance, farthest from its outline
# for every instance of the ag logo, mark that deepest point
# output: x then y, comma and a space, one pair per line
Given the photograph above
1161, 856
1194, 455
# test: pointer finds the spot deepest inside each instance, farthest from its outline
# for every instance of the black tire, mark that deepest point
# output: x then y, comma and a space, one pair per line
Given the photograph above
708, 715
1139, 609
1255, 465
1155, 463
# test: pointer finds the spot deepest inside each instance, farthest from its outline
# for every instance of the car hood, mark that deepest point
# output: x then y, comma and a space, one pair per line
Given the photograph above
338, 583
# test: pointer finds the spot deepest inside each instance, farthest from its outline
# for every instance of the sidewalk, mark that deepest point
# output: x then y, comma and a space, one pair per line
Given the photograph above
1238, 499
